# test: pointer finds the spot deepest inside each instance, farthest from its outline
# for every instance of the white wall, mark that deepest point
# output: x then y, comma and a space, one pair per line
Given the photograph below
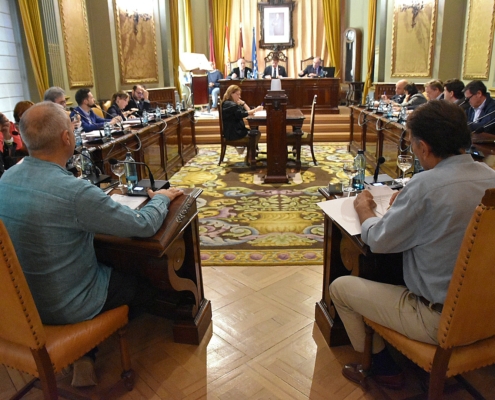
10, 73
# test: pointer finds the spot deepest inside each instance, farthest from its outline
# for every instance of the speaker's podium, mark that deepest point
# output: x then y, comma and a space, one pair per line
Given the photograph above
198, 66
171, 261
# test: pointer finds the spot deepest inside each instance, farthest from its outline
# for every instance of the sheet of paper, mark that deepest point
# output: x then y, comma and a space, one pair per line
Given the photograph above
342, 210
261, 113
129, 201
133, 121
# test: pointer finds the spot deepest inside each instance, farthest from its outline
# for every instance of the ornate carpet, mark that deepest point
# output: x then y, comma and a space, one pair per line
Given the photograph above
243, 222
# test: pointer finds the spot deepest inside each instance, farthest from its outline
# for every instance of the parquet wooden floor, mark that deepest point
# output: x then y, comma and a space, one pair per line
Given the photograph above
263, 344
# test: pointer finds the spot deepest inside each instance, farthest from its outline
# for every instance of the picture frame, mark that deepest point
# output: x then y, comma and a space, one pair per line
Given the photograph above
276, 25
413, 39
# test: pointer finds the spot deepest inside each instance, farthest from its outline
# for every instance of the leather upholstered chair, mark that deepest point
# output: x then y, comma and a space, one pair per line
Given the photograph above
304, 62
466, 332
306, 138
282, 59
43, 350
249, 141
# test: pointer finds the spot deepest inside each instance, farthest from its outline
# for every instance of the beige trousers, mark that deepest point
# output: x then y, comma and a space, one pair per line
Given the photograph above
389, 305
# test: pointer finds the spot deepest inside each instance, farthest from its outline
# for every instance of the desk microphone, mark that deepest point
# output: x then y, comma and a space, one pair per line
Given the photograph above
480, 118
141, 183
380, 160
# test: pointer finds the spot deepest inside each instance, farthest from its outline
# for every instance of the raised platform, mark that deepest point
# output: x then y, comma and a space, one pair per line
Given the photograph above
328, 127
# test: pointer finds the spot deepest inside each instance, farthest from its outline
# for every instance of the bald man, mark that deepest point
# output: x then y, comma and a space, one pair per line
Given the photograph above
52, 218
399, 92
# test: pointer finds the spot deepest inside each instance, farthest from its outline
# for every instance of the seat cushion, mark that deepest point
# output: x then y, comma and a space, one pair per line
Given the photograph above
65, 343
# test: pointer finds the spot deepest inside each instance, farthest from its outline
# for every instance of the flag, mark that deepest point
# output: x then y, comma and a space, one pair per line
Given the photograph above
212, 47
254, 57
240, 50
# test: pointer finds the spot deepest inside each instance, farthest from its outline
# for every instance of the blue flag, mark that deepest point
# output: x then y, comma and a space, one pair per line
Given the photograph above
254, 58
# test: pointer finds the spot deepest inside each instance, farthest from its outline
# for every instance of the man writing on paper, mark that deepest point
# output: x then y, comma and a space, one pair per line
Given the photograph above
52, 218
426, 222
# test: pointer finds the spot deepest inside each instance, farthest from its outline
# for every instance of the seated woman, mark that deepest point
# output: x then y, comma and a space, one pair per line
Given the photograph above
413, 98
119, 102
234, 110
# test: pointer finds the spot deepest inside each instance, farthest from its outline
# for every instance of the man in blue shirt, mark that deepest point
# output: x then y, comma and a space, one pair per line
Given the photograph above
214, 75
426, 223
52, 218
89, 120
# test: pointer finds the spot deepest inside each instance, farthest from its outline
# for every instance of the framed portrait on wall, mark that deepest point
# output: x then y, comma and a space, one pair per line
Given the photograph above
276, 25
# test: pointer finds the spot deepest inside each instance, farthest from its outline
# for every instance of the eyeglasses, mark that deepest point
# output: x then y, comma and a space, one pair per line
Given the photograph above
468, 98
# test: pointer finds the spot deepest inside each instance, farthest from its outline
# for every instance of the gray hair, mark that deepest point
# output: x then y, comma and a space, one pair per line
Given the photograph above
53, 93
41, 125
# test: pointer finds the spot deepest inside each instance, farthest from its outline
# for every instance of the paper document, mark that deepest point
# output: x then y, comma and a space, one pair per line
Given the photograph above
261, 113
132, 121
129, 201
342, 210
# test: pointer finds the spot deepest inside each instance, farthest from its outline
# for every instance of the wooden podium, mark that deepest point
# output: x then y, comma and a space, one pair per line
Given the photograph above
171, 261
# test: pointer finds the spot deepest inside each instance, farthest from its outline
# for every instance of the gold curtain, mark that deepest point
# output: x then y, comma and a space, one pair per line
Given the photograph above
221, 17
31, 20
188, 26
308, 33
331, 16
371, 47
174, 33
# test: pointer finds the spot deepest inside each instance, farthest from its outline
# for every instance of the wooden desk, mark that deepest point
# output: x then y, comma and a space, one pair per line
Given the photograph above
165, 146
348, 255
276, 151
300, 92
378, 137
171, 261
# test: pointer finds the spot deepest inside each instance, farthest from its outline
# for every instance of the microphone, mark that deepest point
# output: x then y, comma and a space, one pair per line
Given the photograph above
480, 118
96, 176
143, 182
380, 160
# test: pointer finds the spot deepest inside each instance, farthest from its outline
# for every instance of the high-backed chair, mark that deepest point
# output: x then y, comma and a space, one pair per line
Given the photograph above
466, 332
249, 141
304, 63
199, 87
43, 350
282, 58
98, 111
306, 139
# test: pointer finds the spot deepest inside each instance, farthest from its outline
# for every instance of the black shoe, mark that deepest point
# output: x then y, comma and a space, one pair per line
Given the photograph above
356, 374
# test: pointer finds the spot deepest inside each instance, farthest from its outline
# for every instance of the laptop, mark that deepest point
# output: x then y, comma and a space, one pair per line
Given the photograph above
330, 72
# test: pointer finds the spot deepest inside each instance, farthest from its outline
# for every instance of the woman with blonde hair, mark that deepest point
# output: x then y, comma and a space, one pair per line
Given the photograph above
234, 110
119, 102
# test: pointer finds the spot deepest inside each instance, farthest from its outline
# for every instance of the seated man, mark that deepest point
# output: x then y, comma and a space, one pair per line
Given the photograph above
312, 70
426, 222
481, 114
434, 90
213, 85
241, 71
56, 95
139, 100
399, 92
89, 120
274, 70
52, 218
453, 91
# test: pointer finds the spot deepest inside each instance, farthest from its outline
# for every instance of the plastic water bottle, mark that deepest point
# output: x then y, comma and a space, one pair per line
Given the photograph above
417, 166
145, 117
107, 131
249, 76
403, 114
360, 163
158, 114
177, 107
86, 163
130, 171
78, 135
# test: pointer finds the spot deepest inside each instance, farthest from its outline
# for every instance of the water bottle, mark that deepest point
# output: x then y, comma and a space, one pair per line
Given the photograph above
417, 166
78, 135
158, 114
249, 76
360, 163
86, 163
381, 106
107, 131
130, 171
177, 107
403, 114
145, 118
176, 97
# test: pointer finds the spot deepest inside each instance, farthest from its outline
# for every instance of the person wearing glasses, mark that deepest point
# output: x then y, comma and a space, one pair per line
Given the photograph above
481, 114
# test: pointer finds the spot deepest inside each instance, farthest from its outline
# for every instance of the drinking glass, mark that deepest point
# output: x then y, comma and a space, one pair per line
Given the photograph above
118, 169
404, 163
351, 171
